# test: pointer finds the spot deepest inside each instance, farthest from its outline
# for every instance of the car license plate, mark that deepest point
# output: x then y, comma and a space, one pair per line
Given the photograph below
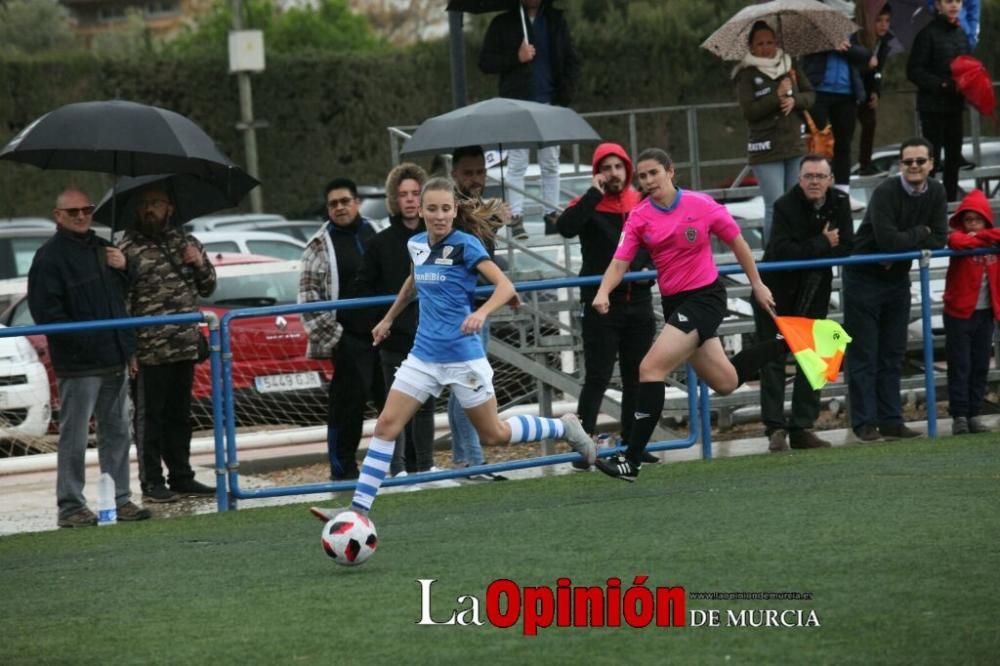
292, 381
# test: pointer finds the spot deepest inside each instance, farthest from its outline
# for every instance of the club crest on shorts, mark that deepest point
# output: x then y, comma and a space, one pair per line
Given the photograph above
473, 381
691, 234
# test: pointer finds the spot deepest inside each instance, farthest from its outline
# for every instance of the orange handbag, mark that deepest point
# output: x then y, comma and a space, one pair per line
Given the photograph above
819, 141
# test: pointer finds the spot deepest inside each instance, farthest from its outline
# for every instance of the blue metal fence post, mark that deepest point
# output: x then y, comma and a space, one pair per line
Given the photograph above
930, 389
705, 415
214, 360
229, 419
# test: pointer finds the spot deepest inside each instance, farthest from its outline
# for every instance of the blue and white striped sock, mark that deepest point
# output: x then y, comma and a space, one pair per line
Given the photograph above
534, 428
373, 471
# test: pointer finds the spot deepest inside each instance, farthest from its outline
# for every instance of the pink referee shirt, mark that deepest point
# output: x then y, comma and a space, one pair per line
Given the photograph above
677, 239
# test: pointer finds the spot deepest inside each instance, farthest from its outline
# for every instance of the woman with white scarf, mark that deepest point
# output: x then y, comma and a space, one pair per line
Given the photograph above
772, 94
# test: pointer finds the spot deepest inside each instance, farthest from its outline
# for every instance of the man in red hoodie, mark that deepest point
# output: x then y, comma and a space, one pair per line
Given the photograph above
626, 332
971, 303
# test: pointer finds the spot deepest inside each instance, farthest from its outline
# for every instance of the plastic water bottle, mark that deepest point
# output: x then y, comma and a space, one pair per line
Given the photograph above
107, 512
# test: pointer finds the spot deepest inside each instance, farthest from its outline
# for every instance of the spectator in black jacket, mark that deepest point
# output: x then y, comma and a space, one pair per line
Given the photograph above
531, 50
626, 332
939, 102
811, 221
905, 213
74, 277
384, 268
330, 263
877, 38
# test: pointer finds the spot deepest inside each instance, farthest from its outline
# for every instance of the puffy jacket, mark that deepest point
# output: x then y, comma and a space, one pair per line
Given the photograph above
929, 66
815, 68
69, 281
499, 55
965, 274
159, 287
598, 219
771, 135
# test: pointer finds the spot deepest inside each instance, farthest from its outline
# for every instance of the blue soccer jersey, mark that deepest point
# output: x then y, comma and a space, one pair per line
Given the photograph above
446, 277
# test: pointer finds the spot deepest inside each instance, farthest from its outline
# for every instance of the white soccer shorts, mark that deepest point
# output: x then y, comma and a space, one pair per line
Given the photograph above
470, 381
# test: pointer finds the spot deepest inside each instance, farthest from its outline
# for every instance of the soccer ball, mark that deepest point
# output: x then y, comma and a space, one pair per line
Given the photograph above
349, 538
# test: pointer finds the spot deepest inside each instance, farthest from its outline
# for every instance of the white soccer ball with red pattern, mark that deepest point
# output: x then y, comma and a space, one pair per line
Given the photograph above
349, 538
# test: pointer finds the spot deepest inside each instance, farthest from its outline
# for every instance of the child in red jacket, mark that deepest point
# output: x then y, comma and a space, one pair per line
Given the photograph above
971, 303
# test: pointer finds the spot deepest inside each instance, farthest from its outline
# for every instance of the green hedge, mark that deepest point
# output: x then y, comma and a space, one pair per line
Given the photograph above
328, 114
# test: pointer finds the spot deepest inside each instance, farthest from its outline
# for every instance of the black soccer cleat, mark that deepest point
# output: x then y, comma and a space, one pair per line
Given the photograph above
619, 467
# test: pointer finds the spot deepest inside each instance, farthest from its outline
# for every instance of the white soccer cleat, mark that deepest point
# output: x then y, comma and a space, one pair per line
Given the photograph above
578, 438
324, 514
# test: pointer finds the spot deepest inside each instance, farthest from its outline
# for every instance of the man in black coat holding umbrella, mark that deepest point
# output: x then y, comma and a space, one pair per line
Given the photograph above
811, 221
531, 50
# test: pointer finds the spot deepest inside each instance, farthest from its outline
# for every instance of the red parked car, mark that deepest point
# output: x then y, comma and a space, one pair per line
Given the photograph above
273, 381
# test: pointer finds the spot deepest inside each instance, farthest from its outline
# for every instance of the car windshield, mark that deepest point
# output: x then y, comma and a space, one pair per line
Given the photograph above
259, 289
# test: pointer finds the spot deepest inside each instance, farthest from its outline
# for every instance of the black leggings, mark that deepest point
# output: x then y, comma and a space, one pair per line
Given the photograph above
944, 131
841, 111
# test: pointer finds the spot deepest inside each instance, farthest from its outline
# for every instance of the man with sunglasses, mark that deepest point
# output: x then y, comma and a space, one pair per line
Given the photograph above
330, 264
905, 213
77, 276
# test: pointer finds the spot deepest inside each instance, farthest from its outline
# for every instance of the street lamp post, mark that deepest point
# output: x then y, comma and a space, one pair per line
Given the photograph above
246, 54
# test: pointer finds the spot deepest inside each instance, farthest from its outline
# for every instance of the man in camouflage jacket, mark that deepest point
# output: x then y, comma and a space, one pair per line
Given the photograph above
168, 270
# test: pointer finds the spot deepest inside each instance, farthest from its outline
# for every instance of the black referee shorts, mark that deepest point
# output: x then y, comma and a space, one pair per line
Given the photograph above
700, 309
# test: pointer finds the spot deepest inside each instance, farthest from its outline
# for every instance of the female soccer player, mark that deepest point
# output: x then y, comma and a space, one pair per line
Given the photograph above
674, 226
448, 350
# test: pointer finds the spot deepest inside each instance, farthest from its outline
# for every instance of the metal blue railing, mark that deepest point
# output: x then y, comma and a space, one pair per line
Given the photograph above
224, 430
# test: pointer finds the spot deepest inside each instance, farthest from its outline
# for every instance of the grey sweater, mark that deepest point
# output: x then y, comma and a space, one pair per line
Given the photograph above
897, 221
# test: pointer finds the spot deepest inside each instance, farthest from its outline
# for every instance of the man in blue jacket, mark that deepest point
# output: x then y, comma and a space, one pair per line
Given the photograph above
77, 276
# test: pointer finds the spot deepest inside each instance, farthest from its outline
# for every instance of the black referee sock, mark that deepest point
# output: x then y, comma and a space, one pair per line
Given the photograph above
749, 361
648, 407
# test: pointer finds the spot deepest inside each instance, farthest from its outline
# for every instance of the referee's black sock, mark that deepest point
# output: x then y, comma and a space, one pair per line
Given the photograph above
648, 407
749, 361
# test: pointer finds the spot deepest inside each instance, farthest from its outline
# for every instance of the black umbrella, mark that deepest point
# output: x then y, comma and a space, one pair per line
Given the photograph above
500, 123
191, 196
123, 138
118, 137
908, 18
481, 6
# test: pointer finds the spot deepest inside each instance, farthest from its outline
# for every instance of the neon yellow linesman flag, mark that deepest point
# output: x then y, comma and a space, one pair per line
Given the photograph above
818, 346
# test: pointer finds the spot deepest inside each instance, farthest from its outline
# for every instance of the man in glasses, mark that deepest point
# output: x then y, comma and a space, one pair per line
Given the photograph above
169, 271
330, 264
77, 276
811, 221
905, 213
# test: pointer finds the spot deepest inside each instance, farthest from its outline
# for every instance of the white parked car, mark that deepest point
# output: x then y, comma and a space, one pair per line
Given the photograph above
265, 243
300, 229
24, 390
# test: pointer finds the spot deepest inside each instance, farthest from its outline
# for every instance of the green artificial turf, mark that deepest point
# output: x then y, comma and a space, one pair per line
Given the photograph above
897, 544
